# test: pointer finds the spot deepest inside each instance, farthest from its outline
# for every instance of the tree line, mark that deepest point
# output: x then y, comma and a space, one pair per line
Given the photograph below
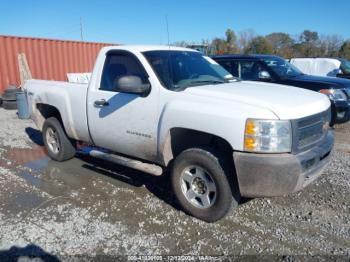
307, 44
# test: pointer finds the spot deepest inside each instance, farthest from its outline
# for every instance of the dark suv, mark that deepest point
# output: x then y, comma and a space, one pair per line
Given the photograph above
273, 69
344, 68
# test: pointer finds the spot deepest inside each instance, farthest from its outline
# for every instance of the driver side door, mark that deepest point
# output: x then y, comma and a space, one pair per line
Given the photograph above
123, 122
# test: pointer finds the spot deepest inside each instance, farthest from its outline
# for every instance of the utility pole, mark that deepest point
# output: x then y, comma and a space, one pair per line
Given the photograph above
81, 29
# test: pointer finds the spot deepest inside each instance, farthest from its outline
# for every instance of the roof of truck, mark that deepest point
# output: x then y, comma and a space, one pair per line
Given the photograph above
144, 48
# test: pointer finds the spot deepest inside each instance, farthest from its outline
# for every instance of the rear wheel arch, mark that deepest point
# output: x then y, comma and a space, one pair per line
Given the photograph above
46, 111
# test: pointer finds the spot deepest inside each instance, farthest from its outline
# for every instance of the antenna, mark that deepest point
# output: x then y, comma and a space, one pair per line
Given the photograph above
167, 29
81, 29
170, 66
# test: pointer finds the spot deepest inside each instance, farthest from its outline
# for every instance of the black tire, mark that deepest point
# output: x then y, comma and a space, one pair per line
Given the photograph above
9, 105
0, 101
11, 87
220, 172
66, 148
333, 115
11, 90
9, 96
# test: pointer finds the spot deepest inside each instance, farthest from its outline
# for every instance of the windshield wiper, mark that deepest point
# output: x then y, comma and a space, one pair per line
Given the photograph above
198, 82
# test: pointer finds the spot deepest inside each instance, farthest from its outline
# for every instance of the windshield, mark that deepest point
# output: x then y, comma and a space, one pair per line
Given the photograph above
282, 68
345, 66
178, 70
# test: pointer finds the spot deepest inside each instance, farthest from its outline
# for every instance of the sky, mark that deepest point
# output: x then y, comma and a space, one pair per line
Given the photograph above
144, 22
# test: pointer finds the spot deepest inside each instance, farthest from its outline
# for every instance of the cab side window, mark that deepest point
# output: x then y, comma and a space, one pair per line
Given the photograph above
231, 67
119, 65
249, 70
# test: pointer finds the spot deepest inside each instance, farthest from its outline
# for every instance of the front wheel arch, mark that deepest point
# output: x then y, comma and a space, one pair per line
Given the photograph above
180, 139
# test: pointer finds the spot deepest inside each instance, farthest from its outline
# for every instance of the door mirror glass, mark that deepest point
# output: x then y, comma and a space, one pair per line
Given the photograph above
264, 75
338, 72
132, 85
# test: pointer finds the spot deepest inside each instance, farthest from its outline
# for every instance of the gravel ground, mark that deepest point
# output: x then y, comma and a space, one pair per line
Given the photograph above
87, 207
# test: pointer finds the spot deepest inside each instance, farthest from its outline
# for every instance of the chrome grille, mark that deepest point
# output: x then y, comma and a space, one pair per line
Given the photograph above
310, 130
310, 134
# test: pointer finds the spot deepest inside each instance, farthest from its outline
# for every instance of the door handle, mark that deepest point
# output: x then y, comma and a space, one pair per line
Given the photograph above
101, 103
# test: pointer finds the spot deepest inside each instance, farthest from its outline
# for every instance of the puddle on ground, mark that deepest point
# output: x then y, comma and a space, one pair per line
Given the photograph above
39, 164
30, 179
22, 201
57, 178
84, 178
24, 155
27, 200
100, 186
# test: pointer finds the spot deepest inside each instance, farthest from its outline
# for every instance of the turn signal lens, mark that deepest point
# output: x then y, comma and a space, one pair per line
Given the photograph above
250, 143
334, 94
250, 128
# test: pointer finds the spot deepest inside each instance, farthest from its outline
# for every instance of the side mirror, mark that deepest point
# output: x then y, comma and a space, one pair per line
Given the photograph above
338, 72
132, 85
264, 75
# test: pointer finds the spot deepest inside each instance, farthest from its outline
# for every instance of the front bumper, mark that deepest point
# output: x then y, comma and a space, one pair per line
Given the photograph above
266, 175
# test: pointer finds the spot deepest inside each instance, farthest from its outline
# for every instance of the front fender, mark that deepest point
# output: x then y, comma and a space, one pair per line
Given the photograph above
226, 121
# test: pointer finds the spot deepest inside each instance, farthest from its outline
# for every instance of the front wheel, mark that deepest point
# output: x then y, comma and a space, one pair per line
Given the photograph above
202, 185
58, 145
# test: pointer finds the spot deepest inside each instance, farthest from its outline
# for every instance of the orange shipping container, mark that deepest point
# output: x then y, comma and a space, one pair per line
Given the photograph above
47, 58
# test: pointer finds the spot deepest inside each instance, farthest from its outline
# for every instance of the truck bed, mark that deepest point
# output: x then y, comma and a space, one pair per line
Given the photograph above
68, 98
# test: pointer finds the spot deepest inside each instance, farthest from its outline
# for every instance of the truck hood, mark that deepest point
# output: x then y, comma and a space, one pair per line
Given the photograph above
334, 82
285, 102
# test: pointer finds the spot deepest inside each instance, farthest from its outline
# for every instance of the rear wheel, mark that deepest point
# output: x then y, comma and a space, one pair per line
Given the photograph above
58, 145
202, 186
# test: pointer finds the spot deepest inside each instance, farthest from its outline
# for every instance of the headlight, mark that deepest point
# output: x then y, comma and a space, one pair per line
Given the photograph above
334, 94
268, 136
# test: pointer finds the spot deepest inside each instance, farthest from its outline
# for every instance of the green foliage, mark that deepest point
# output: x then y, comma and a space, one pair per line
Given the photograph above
219, 45
308, 36
307, 44
231, 41
226, 46
281, 43
259, 45
345, 50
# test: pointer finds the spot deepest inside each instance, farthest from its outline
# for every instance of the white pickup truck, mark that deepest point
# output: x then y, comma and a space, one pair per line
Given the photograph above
219, 137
